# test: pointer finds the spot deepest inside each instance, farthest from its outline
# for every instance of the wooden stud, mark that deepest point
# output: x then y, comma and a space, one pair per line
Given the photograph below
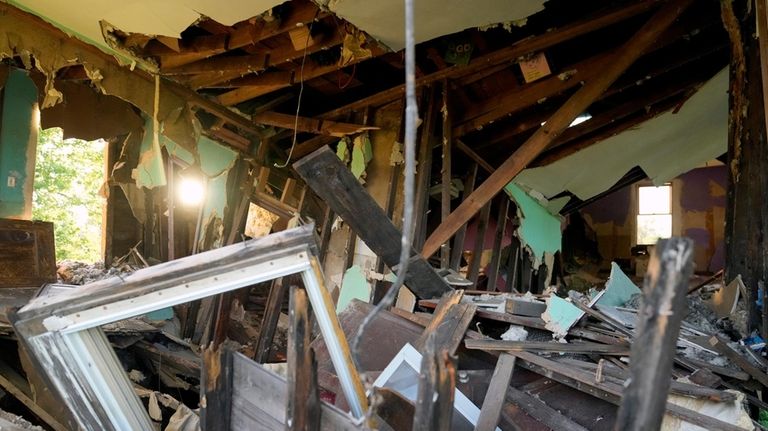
445, 192
303, 411
269, 321
458, 240
477, 251
498, 239
424, 168
592, 89
216, 389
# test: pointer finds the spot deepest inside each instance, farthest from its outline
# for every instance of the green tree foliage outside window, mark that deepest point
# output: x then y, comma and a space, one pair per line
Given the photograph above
68, 175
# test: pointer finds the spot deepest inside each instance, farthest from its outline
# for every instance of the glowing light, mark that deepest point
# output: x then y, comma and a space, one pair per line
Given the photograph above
191, 191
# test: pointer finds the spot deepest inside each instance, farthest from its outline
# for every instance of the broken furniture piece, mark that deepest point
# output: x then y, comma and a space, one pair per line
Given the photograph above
64, 335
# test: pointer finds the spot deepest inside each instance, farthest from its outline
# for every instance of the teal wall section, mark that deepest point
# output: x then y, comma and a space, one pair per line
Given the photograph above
19, 124
539, 229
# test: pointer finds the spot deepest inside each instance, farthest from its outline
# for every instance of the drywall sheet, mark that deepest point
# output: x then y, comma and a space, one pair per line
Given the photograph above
664, 147
539, 230
384, 19
81, 18
18, 142
355, 285
619, 289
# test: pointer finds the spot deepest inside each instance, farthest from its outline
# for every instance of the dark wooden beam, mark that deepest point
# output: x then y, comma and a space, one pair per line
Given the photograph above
658, 325
445, 191
310, 125
269, 321
622, 59
216, 389
332, 181
458, 240
501, 224
437, 382
303, 410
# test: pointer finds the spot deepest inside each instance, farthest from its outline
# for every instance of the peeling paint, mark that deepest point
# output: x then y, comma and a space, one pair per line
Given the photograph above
560, 316
354, 285
619, 288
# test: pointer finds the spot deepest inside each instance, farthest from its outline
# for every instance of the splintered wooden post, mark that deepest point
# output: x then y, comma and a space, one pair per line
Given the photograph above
644, 401
496, 394
303, 411
437, 382
216, 389
270, 319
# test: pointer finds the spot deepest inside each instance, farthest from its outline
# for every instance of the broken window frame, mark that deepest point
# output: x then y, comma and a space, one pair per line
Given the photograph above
63, 332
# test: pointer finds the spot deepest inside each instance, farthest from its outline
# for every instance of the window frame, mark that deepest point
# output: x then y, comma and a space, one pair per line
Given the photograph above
673, 188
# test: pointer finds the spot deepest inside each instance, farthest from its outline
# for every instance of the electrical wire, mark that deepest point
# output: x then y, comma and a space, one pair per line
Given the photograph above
301, 93
411, 114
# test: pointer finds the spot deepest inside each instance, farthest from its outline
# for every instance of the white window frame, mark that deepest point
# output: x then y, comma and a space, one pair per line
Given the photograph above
673, 207
63, 332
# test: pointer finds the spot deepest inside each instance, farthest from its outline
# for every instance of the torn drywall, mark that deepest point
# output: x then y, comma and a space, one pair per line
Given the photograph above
51, 53
168, 18
539, 230
384, 19
619, 289
664, 147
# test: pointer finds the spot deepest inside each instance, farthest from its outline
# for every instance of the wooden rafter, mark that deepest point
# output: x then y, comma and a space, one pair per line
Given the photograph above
620, 61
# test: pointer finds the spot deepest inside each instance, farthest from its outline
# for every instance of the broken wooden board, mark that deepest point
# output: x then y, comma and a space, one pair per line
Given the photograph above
335, 184
525, 307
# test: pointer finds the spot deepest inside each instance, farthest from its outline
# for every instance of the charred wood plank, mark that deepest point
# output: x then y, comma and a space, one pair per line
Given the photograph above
303, 411
494, 397
654, 348
335, 184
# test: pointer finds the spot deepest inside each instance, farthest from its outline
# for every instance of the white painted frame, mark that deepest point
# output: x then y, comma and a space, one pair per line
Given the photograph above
63, 332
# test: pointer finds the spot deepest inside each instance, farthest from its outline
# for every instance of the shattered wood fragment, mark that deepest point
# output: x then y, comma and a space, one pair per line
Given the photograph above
437, 382
336, 185
494, 397
216, 389
303, 411
661, 312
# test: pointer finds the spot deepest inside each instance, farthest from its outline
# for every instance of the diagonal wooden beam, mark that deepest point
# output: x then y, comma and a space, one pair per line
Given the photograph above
625, 56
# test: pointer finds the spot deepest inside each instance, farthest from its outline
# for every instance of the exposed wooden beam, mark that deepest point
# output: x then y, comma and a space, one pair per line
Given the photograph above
623, 58
311, 125
505, 55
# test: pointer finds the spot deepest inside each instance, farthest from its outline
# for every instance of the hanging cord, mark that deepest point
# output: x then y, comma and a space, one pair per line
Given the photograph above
411, 113
301, 93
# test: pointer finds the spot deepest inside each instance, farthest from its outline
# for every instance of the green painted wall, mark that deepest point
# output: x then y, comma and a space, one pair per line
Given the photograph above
19, 123
539, 229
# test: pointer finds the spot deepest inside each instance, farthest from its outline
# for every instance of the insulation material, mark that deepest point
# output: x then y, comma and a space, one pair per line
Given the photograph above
259, 222
724, 301
18, 143
167, 18
18, 37
539, 230
664, 147
619, 289
88, 115
384, 19
515, 333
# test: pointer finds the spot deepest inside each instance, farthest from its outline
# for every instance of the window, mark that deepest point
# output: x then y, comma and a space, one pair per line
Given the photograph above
654, 215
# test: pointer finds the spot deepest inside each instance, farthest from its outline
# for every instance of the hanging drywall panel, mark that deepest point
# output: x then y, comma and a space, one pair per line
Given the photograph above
539, 229
664, 147
619, 288
81, 18
384, 19
18, 143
